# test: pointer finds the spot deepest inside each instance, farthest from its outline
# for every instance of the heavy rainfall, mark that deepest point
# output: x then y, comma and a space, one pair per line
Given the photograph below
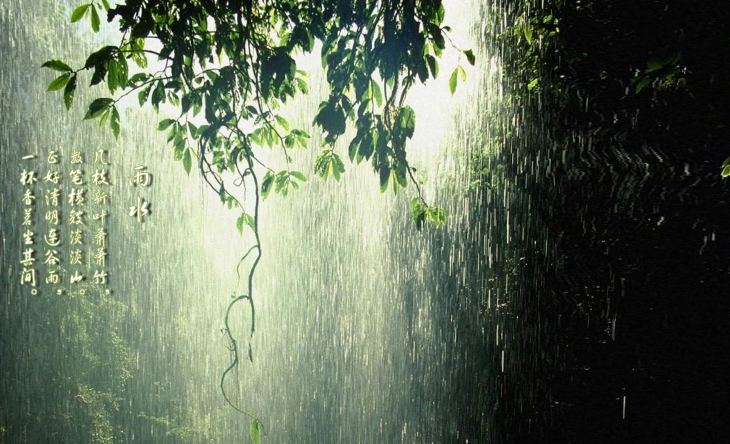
577, 292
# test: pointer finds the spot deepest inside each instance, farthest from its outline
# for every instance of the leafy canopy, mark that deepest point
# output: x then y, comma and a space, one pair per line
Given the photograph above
232, 62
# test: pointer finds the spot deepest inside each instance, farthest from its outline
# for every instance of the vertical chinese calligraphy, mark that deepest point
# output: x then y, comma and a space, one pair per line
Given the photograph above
76, 217
64, 227
140, 178
28, 274
100, 197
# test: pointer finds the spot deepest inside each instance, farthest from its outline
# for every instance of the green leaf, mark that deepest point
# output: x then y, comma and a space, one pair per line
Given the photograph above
69, 91
100, 57
106, 4
433, 65
114, 122
79, 12
97, 107
186, 102
144, 94
422, 213
726, 162
726, 171
301, 138
112, 78
436, 215
164, 124
57, 65
470, 57
245, 219
370, 141
399, 168
95, 22
642, 84
138, 55
282, 183
302, 85
384, 174
440, 13
178, 146
299, 176
266, 184
377, 93
321, 165
283, 122
452, 81
250, 221
200, 131
239, 223
407, 120
661, 60
158, 95
99, 74
329, 162
418, 212
104, 118
331, 118
120, 72
137, 78
59, 82
193, 130
187, 161
528, 33
337, 166
140, 59
289, 141
255, 431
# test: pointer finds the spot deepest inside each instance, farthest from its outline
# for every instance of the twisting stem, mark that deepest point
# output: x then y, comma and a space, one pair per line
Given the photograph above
206, 169
249, 296
234, 352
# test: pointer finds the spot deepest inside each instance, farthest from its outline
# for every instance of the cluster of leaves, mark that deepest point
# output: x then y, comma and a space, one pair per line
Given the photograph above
231, 65
422, 213
529, 35
234, 63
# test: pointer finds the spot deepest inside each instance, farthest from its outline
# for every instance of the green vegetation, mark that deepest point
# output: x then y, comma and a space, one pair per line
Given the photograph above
236, 64
89, 370
228, 68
